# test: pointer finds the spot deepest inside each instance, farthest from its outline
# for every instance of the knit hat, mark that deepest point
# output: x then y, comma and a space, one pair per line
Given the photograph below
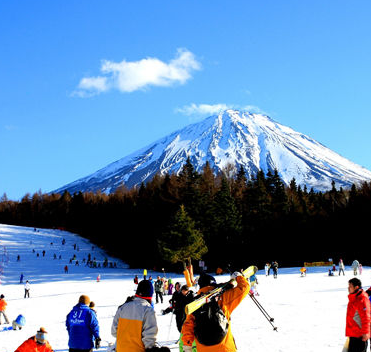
206, 280
2, 296
41, 336
145, 290
84, 299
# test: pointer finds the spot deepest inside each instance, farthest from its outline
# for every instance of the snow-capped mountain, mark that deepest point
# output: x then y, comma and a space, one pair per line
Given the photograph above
234, 138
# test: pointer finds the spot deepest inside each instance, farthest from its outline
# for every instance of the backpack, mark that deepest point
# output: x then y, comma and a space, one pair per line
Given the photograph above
211, 325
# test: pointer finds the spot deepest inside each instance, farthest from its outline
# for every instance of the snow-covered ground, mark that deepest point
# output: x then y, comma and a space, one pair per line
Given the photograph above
309, 311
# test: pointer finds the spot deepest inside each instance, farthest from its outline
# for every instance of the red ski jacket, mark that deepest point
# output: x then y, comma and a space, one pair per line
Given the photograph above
358, 314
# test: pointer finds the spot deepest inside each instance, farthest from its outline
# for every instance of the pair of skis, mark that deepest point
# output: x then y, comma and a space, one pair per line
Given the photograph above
199, 302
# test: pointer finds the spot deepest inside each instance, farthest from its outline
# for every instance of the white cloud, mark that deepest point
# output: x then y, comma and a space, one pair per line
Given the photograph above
138, 75
213, 109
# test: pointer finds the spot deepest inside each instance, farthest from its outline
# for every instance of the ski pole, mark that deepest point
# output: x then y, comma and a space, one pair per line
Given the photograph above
264, 312
171, 319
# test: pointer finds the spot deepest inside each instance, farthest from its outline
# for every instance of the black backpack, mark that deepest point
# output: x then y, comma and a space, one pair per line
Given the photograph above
211, 325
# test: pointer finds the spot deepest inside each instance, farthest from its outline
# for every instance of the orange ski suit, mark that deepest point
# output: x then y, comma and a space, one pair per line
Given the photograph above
3, 305
31, 345
228, 302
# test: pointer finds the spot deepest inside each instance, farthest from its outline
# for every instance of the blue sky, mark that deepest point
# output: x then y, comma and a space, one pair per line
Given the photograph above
84, 83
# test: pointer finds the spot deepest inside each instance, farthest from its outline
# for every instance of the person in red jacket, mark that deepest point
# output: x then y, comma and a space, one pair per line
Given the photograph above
37, 343
358, 317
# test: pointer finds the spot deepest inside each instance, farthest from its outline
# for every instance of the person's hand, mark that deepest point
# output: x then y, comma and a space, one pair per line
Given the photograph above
97, 342
187, 348
365, 337
235, 274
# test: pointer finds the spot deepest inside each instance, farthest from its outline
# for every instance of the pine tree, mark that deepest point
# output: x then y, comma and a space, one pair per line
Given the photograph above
182, 241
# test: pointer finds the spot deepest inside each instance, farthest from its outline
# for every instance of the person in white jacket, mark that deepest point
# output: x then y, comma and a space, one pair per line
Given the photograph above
341, 267
27, 288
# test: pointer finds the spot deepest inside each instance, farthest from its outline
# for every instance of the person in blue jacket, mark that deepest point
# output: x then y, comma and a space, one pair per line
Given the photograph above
83, 327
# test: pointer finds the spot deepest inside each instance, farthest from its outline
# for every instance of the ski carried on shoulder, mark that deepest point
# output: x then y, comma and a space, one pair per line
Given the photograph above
199, 302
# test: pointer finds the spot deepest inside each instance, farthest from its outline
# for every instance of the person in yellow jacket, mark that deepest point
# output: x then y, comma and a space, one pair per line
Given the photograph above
228, 301
134, 325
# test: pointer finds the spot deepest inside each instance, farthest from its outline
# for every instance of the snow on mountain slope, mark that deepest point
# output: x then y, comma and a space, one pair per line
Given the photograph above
309, 311
235, 138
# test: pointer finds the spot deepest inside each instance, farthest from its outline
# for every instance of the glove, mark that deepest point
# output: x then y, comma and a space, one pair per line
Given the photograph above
187, 348
235, 274
97, 342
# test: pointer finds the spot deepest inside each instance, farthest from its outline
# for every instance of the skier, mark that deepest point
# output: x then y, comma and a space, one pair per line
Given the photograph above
37, 343
3, 305
267, 269
136, 280
355, 266
134, 325
171, 287
159, 289
275, 269
358, 317
27, 288
83, 327
144, 274
66, 269
21, 278
228, 301
182, 300
341, 267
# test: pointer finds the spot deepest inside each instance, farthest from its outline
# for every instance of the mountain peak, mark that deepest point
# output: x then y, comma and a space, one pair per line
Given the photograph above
231, 138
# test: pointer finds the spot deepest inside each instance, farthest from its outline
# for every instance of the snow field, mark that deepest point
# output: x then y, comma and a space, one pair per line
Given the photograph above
309, 311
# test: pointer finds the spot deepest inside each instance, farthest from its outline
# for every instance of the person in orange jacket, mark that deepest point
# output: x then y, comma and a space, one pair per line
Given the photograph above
228, 301
3, 305
358, 317
37, 343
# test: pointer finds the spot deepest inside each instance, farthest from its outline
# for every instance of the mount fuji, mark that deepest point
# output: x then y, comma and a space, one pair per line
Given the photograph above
230, 139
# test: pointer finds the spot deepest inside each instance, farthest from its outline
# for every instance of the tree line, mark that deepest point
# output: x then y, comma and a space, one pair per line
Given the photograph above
228, 221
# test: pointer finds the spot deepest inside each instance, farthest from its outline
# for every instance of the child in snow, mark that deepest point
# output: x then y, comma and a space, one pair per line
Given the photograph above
19, 322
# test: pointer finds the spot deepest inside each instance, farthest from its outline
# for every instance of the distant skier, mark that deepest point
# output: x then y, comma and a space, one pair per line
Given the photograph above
275, 269
27, 288
355, 266
341, 267
3, 305
159, 289
21, 278
267, 269
66, 269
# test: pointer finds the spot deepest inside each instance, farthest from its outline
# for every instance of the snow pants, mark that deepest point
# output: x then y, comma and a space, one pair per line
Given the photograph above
26, 293
159, 294
5, 317
357, 345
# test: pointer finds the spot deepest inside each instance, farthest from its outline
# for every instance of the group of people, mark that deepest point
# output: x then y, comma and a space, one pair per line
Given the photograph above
274, 267
135, 326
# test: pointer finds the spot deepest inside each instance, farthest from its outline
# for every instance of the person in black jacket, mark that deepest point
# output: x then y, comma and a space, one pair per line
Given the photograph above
183, 299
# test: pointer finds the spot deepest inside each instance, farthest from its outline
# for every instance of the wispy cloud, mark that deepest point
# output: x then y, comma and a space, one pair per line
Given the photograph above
126, 76
202, 110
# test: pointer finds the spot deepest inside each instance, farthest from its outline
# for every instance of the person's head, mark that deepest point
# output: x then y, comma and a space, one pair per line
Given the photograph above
2, 296
91, 304
145, 290
158, 278
184, 290
177, 286
84, 299
206, 280
354, 285
41, 336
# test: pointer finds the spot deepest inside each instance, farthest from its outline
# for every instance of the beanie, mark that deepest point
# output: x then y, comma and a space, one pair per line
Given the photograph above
41, 336
145, 290
206, 280
84, 299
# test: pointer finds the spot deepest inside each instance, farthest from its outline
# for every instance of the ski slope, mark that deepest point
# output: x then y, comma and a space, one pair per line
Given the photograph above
309, 311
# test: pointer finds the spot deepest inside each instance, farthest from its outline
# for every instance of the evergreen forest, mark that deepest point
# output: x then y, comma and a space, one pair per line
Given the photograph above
227, 221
